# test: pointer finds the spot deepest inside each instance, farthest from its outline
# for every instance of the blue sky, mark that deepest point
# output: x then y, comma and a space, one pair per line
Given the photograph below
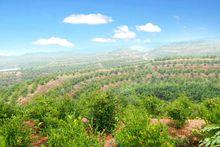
68, 25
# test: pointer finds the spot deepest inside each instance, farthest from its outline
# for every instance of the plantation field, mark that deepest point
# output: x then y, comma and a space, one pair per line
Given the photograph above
171, 101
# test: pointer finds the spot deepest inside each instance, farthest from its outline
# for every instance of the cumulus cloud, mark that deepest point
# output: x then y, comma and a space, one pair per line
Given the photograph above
103, 40
90, 19
149, 27
54, 41
123, 32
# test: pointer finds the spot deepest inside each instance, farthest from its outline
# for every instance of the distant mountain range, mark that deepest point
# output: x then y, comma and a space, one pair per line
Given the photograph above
196, 48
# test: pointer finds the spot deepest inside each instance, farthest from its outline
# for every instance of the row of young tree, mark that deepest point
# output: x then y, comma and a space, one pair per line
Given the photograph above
82, 112
127, 118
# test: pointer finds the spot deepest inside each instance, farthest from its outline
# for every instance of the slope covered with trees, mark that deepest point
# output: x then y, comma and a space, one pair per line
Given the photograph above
161, 102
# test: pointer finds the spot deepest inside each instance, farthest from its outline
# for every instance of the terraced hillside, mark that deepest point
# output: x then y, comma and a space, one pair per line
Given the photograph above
141, 103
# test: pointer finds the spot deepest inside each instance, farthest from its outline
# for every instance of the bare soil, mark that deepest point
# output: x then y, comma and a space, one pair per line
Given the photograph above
185, 131
43, 89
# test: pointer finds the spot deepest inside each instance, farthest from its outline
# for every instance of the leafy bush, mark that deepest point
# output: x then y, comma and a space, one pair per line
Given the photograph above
15, 133
43, 107
161, 90
179, 110
7, 111
103, 109
153, 105
40, 108
212, 110
212, 136
49, 111
135, 129
71, 132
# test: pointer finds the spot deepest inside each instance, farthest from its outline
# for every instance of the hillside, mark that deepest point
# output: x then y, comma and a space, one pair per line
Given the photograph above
196, 48
95, 73
160, 101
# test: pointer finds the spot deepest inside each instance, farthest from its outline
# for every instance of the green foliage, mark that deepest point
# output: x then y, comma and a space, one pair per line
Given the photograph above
211, 111
15, 133
41, 108
71, 132
128, 96
135, 129
179, 110
103, 109
171, 89
153, 105
49, 112
6, 111
119, 100
2, 141
212, 136
46, 107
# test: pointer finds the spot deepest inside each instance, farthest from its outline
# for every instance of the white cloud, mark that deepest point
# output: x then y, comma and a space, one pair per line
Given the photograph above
2, 54
123, 32
90, 19
103, 40
54, 41
149, 27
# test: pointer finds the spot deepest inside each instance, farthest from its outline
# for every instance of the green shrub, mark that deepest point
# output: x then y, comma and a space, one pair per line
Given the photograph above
15, 133
179, 110
7, 111
211, 136
103, 110
153, 105
71, 132
135, 129
211, 110
49, 111
42, 107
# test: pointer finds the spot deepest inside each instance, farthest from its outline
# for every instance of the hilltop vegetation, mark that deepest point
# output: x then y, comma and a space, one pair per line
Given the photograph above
191, 48
160, 102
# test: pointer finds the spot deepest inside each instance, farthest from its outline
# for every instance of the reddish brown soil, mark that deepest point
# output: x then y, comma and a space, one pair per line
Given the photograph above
41, 141
106, 87
43, 89
110, 141
37, 139
149, 76
185, 131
